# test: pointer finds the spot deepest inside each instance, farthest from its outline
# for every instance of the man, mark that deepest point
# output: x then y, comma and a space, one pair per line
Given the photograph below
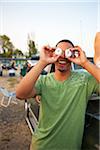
64, 97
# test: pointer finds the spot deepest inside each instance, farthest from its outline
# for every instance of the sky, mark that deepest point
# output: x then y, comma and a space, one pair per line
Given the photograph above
47, 22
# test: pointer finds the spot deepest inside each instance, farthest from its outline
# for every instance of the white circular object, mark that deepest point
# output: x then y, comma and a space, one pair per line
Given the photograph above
58, 51
68, 53
76, 54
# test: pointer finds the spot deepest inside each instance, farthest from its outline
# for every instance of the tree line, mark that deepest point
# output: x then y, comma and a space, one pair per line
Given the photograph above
8, 50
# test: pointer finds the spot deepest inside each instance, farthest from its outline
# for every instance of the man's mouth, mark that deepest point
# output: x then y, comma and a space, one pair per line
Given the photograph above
63, 62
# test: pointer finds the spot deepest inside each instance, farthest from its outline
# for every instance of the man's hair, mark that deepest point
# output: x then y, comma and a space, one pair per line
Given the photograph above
64, 40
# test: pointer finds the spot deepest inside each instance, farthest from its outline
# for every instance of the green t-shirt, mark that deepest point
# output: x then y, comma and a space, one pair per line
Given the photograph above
62, 111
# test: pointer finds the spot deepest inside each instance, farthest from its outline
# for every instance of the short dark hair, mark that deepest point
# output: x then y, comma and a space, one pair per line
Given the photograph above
65, 40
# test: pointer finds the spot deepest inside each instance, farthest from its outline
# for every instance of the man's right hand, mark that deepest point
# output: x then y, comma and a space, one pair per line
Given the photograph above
47, 55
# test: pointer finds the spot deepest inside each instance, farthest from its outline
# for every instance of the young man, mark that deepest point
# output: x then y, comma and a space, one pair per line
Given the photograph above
64, 97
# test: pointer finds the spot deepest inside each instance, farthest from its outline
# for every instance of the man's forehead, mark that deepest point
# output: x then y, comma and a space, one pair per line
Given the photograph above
64, 45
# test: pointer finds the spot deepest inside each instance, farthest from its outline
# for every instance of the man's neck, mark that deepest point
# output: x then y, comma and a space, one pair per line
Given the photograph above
61, 76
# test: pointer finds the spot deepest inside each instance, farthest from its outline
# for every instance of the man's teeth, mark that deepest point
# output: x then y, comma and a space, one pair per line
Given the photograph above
62, 62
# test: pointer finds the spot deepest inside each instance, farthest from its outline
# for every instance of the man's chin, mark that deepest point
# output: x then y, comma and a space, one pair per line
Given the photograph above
62, 70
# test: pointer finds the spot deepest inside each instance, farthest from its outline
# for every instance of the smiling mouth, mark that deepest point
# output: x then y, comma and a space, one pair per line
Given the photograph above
63, 62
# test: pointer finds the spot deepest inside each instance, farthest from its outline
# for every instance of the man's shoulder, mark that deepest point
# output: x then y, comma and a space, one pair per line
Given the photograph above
81, 72
45, 77
84, 74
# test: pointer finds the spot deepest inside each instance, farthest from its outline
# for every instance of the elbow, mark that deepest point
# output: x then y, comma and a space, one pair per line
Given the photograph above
98, 79
19, 95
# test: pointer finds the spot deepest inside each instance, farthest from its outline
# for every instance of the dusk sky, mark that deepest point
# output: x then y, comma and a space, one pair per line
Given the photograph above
50, 21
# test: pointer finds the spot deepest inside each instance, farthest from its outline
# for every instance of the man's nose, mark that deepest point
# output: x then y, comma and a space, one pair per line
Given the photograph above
63, 54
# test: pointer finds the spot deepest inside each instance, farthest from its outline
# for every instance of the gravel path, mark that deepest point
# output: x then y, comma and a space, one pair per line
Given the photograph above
14, 131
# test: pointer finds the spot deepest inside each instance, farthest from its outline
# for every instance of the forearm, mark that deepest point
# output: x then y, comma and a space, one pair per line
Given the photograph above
92, 69
97, 49
26, 86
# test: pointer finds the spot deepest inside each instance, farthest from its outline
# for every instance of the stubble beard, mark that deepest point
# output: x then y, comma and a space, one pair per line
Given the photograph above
62, 70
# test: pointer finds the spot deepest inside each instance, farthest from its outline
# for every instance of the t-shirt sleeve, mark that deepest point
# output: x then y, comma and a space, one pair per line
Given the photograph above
38, 85
93, 84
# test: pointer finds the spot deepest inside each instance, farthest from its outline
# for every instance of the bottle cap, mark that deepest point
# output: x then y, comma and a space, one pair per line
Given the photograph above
58, 51
76, 54
68, 53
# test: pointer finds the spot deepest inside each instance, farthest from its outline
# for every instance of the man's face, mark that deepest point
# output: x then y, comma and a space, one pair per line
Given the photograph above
63, 64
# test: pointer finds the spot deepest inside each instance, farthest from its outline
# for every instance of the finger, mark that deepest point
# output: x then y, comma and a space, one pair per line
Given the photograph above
46, 48
56, 57
71, 59
52, 49
84, 52
75, 48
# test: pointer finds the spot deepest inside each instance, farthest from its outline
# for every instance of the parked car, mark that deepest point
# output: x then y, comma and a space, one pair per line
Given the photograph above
1, 70
91, 139
92, 118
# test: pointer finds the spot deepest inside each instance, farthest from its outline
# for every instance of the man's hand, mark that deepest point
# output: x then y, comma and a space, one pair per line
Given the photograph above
81, 59
47, 55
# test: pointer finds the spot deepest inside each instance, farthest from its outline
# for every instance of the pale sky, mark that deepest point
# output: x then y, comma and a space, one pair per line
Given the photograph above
50, 21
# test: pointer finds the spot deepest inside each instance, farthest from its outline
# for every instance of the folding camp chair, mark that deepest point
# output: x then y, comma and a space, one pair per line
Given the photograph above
8, 97
31, 116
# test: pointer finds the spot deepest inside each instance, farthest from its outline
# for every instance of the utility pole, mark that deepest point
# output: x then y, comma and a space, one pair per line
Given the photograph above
98, 16
81, 38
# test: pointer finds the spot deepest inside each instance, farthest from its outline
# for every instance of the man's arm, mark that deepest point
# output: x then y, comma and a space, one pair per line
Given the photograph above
97, 49
26, 87
92, 69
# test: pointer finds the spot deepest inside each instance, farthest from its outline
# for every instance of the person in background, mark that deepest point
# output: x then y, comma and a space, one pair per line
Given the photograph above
97, 49
23, 70
13, 66
1, 70
64, 97
29, 65
12, 69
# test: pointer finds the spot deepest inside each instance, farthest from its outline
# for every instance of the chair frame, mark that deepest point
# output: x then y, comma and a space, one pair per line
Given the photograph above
9, 97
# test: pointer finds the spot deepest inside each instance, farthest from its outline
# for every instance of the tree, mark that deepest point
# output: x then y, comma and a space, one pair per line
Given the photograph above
31, 46
17, 52
7, 46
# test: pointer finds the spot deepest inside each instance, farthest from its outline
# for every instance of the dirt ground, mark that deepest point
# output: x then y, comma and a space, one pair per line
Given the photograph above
14, 131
